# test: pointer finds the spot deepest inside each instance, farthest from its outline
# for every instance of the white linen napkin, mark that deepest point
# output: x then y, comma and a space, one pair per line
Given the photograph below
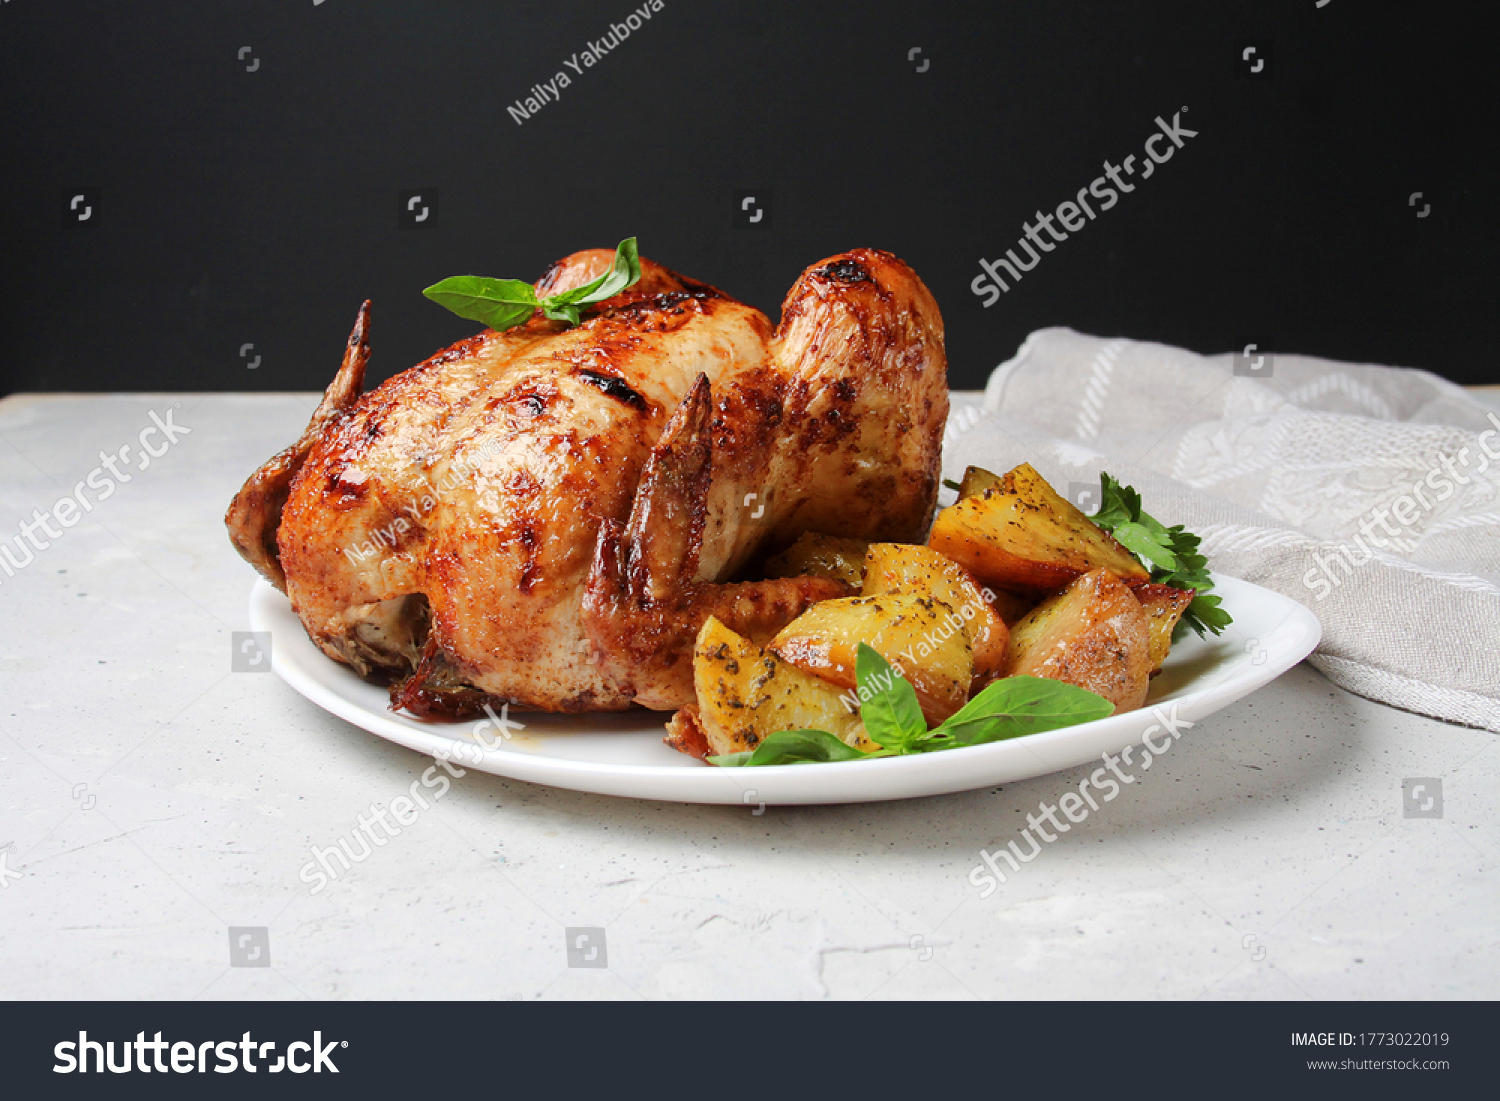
1369, 494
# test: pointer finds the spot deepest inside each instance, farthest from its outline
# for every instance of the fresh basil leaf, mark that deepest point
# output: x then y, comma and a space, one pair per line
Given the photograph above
1006, 709
564, 311
499, 303
1014, 706
890, 711
505, 303
791, 747
576, 295
625, 272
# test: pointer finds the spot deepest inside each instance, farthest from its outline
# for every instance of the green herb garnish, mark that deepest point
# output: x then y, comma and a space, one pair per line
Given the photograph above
505, 303
793, 747
1172, 554
1007, 708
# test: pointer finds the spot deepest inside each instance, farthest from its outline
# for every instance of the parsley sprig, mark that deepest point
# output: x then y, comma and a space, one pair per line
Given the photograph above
893, 718
505, 303
1172, 553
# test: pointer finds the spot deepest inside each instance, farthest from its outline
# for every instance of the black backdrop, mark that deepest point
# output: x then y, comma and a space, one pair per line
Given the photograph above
244, 165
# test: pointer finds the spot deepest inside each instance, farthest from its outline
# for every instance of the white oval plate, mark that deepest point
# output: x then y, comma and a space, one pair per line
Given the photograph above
621, 753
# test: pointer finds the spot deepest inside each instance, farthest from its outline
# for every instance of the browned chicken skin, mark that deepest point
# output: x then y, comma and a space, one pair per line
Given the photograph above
546, 516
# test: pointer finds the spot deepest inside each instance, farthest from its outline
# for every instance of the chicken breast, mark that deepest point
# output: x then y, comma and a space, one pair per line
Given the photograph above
546, 516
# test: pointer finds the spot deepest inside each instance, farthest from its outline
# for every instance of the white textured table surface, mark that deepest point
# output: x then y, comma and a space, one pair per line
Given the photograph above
150, 799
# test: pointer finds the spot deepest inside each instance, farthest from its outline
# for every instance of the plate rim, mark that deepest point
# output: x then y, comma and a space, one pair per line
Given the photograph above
613, 778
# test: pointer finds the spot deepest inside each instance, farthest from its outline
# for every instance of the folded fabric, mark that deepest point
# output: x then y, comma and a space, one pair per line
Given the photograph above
1369, 494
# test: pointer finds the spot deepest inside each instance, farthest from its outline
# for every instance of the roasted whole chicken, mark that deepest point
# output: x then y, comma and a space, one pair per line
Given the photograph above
546, 516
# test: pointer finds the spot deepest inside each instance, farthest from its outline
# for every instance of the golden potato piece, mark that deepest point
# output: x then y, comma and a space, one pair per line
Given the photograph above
746, 694
903, 568
814, 555
923, 637
1022, 535
1164, 606
1094, 635
975, 481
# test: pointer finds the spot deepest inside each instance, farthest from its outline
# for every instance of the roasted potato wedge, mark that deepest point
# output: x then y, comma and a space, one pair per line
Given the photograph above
923, 637
904, 568
1021, 535
1093, 634
746, 693
1164, 606
975, 481
815, 555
